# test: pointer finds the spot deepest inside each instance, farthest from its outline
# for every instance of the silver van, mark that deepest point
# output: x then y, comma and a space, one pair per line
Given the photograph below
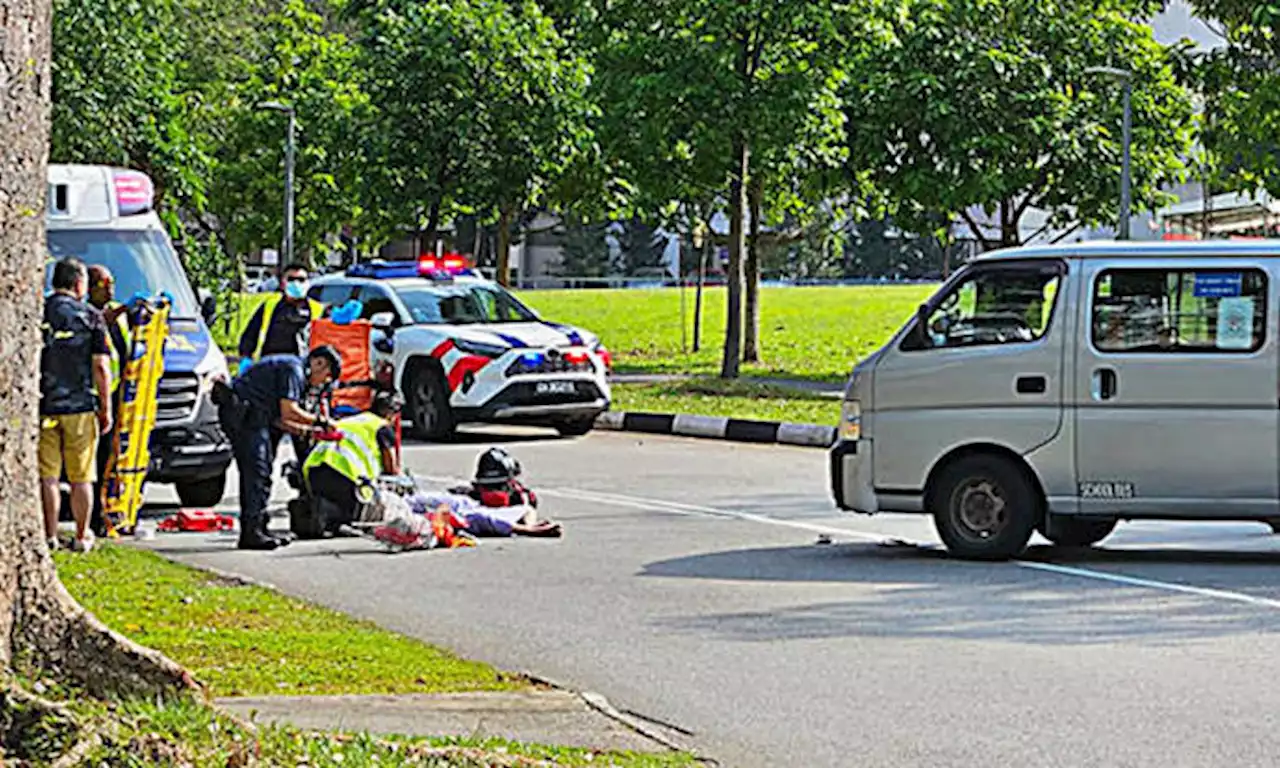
1061, 389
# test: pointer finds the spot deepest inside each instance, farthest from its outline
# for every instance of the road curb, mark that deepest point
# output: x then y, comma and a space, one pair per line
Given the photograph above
719, 428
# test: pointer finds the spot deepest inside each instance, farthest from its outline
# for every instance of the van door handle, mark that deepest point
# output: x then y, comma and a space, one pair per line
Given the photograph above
1031, 385
1104, 384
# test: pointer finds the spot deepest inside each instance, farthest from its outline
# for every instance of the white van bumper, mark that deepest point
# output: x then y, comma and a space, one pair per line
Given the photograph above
851, 478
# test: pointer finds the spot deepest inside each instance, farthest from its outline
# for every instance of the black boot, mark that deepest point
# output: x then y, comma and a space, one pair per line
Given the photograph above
253, 536
283, 538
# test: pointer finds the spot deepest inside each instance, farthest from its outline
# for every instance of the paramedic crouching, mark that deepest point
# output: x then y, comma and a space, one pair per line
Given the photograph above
255, 411
334, 471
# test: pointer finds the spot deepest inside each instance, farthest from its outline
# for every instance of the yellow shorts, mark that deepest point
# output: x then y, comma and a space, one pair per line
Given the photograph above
71, 438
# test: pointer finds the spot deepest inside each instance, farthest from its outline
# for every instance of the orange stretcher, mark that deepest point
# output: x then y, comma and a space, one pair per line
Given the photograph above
356, 387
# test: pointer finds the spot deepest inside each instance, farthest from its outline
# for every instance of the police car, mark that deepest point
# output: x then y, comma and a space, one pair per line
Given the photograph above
462, 349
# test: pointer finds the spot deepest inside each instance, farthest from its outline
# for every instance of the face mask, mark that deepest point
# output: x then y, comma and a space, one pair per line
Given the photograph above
295, 290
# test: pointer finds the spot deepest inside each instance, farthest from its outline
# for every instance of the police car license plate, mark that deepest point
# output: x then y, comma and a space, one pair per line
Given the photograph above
554, 388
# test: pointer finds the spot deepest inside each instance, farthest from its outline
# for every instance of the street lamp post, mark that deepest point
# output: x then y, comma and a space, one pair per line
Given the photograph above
287, 255
1126, 79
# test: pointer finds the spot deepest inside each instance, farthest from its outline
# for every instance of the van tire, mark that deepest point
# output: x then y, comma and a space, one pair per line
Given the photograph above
1066, 531
427, 401
984, 507
204, 493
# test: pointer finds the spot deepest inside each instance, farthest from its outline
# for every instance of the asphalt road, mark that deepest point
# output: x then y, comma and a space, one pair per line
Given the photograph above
691, 587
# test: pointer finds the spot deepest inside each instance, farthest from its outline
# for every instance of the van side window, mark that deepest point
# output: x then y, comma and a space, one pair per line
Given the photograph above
1178, 311
1007, 304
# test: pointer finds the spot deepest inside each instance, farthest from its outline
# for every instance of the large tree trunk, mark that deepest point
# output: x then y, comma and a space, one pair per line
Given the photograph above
729, 364
41, 626
504, 245
751, 333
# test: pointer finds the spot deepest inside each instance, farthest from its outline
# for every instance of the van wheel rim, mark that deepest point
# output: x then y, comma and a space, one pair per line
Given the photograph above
981, 509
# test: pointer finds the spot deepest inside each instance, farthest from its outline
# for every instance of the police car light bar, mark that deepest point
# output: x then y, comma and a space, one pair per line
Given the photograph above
134, 192
428, 266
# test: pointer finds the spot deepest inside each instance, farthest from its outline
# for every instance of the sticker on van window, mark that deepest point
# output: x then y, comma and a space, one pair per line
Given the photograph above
1235, 323
1218, 285
1106, 490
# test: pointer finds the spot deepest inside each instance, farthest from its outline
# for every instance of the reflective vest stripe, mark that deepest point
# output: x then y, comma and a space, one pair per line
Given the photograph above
354, 456
269, 308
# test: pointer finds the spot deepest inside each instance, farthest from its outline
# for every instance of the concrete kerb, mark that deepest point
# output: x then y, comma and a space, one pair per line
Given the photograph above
719, 428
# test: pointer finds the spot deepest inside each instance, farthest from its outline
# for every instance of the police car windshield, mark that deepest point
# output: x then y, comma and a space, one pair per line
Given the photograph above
464, 305
140, 260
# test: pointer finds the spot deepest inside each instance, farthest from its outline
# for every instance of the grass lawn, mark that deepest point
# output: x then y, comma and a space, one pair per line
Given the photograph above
228, 325
814, 333
739, 399
243, 640
197, 736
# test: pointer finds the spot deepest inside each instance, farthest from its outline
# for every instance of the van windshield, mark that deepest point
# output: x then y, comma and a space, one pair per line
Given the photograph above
140, 260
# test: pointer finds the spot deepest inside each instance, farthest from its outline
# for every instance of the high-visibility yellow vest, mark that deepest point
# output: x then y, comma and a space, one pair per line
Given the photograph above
356, 456
122, 322
268, 308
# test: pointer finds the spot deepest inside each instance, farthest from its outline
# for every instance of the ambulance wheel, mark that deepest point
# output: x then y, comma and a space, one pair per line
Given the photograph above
427, 402
985, 507
575, 427
202, 493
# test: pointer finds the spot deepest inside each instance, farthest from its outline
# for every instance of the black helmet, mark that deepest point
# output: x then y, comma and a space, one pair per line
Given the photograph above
330, 355
496, 467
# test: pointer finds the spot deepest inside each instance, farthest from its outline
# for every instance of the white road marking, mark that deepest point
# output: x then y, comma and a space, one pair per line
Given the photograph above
1186, 589
636, 502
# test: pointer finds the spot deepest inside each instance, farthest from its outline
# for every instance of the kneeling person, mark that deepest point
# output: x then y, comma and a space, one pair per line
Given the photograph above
335, 470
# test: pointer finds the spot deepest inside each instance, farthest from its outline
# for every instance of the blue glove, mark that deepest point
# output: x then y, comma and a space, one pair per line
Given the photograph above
346, 313
245, 362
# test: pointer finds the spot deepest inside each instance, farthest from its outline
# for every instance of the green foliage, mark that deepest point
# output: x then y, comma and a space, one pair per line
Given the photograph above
642, 248
315, 72
476, 105
1241, 88
585, 249
987, 103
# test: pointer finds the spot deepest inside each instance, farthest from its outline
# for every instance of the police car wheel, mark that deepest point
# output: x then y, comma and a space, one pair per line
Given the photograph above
428, 404
984, 508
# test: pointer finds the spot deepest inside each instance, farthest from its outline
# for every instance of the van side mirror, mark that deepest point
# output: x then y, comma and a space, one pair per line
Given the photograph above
920, 332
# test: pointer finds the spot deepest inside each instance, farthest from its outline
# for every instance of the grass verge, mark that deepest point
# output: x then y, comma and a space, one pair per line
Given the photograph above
815, 333
244, 640
738, 399
192, 735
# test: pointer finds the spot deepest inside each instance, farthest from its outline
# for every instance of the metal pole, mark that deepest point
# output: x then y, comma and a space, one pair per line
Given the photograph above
288, 192
1125, 168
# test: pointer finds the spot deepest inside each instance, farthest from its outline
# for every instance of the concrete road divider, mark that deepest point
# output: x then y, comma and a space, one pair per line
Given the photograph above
719, 428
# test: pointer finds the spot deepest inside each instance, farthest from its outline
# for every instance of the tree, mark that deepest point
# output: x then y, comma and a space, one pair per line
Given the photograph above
986, 103
314, 72
477, 107
1241, 89
41, 627
642, 248
698, 89
585, 252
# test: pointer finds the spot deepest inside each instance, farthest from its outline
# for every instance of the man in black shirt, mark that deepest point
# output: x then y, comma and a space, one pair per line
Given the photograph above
280, 325
75, 402
255, 411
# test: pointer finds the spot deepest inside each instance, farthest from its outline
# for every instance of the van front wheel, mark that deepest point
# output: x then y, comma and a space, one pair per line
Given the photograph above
985, 508
1077, 532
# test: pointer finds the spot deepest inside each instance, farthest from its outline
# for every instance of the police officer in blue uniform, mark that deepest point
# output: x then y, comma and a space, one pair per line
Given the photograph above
256, 410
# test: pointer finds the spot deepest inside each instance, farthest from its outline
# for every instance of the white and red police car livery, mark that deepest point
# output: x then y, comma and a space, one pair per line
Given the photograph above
462, 349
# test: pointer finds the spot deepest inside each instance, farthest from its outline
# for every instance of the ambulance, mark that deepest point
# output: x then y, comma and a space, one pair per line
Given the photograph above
1062, 389
106, 216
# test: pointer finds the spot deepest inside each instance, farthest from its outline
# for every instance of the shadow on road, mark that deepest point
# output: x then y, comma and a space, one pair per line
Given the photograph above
473, 436
909, 592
